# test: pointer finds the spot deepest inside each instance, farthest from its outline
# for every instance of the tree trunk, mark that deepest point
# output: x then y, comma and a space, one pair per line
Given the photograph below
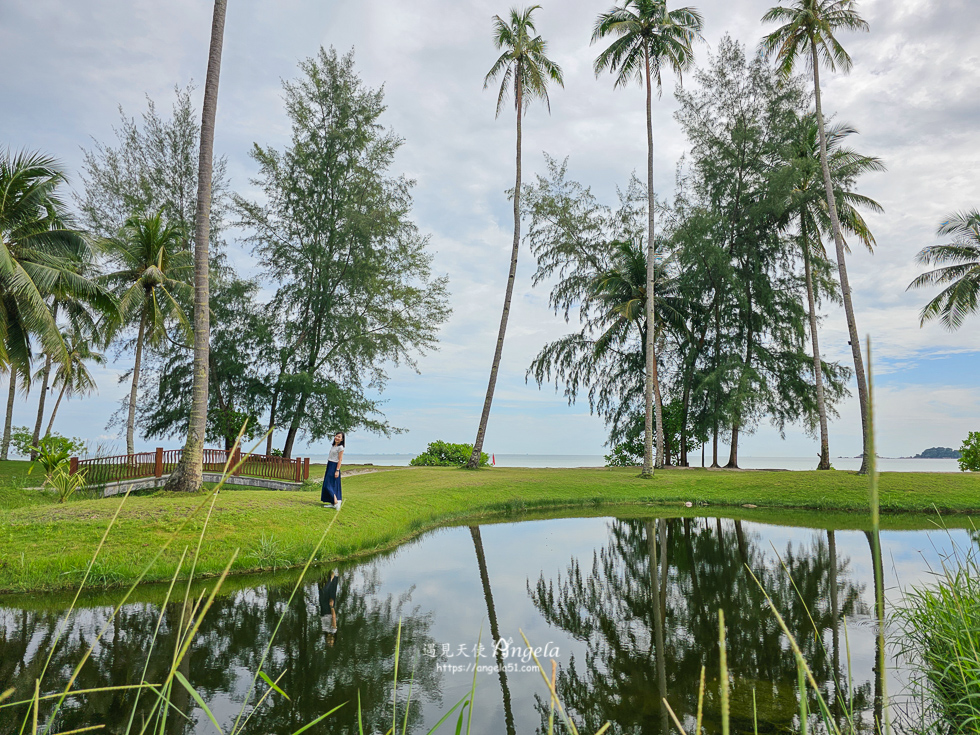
845, 288
35, 440
54, 411
714, 398
817, 367
272, 422
11, 395
187, 476
835, 622
654, 408
481, 561
733, 449
658, 625
474, 461
133, 390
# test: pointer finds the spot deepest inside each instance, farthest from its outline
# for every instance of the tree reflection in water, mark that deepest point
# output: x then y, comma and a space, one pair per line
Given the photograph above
226, 653
613, 608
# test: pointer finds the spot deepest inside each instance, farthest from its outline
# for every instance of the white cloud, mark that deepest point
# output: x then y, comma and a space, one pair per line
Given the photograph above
912, 94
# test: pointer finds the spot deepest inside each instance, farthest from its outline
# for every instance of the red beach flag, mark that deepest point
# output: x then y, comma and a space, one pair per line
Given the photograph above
493, 459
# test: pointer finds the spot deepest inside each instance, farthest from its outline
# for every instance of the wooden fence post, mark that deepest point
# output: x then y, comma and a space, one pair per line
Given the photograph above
306, 468
158, 464
235, 459
73, 465
299, 469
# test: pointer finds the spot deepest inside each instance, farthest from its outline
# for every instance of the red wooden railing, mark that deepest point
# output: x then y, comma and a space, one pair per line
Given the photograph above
106, 470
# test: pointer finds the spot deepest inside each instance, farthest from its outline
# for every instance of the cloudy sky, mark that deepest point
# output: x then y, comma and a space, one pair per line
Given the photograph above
913, 95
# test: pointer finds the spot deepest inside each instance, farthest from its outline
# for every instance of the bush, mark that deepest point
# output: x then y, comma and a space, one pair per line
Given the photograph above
970, 453
628, 453
22, 441
444, 454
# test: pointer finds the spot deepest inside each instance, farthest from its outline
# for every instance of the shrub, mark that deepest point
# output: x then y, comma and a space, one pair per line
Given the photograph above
22, 440
628, 453
64, 484
970, 453
444, 454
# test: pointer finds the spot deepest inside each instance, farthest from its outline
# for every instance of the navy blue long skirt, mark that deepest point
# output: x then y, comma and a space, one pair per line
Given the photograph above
331, 485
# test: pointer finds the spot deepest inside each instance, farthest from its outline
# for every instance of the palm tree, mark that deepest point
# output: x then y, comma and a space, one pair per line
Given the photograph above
808, 206
73, 377
648, 39
808, 31
150, 285
524, 67
84, 309
37, 246
188, 474
959, 266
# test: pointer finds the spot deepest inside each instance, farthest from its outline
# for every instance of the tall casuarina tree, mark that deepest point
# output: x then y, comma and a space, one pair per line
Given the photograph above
808, 206
807, 33
189, 473
524, 67
648, 39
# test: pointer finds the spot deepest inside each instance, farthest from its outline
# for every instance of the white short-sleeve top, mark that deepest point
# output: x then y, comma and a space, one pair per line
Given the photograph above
335, 452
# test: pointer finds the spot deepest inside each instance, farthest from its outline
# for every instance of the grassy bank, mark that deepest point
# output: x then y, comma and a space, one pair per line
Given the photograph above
45, 545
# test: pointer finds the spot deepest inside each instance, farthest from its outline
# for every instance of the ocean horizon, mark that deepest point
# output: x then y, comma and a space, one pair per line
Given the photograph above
885, 464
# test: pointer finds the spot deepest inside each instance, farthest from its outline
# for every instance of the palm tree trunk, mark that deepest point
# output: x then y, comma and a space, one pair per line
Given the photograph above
658, 624
835, 621
654, 408
40, 405
131, 417
44, 388
188, 475
817, 366
845, 288
481, 561
474, 461
54, 411
11, 395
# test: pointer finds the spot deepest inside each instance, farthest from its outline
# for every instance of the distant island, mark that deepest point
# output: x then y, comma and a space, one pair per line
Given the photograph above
939, 453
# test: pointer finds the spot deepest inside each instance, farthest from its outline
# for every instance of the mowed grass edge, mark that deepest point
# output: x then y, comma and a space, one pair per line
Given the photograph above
46, 546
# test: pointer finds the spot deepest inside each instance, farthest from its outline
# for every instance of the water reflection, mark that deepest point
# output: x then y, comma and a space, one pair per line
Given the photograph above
649, 627
630, 603
337, 642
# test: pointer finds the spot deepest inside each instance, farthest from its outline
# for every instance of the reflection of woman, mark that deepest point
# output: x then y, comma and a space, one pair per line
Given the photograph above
328, 605
330, 494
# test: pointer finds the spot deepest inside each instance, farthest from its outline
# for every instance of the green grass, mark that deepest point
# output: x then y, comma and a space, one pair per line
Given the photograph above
941, 626
46, 545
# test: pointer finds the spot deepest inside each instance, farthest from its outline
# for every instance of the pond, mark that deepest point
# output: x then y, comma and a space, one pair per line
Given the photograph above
587, 592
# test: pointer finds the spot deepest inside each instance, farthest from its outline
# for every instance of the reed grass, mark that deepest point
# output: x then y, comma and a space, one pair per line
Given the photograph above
940, 626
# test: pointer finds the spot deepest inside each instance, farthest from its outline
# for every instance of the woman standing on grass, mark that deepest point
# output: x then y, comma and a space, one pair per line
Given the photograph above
330, 495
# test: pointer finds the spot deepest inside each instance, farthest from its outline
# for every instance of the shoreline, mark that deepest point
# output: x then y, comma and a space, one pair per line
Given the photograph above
47, 546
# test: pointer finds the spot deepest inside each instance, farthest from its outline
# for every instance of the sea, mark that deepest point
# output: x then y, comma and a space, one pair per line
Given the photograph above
885, 464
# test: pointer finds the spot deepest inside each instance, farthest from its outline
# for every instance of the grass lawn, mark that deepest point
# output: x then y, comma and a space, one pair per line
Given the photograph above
46, 545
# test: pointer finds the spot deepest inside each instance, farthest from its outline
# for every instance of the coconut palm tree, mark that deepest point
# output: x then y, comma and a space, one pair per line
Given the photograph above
808, 207
808, 33
188, 474
524, 68
38, 247
959, 267
73, 377
151, 284
648, 39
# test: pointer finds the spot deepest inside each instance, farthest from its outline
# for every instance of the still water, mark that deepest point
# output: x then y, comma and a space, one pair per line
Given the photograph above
590, 592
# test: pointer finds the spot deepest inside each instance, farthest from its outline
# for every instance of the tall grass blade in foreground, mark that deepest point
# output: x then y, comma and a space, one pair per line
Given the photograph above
870, 453
941, 636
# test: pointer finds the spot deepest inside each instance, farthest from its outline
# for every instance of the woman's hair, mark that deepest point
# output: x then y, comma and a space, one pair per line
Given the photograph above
343, 439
